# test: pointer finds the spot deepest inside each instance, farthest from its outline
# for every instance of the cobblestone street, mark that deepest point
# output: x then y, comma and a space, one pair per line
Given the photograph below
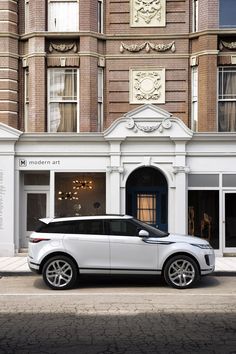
118, 318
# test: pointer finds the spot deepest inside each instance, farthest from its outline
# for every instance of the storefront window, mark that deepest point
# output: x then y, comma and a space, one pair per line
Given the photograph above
80, 194
203, 215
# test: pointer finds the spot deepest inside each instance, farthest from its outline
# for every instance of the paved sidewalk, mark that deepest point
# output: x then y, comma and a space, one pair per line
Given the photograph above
18, 265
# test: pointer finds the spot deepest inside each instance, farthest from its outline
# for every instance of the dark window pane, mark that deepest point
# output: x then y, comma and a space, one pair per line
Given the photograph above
227, 13
123, 228
203, 215
90, 227
31, 179
36, 209
61, 227
230, 220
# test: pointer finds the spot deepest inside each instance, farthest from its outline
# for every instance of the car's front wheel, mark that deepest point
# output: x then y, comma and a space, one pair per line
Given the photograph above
60, 272
181, 272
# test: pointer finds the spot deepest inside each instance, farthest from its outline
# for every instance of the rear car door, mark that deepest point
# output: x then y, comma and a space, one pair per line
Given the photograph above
89, 246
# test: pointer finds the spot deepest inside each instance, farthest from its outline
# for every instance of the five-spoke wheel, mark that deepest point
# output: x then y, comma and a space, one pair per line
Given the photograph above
60, 273
181, 272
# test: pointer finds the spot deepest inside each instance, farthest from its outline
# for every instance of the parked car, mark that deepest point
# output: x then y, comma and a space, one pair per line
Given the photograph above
62, 248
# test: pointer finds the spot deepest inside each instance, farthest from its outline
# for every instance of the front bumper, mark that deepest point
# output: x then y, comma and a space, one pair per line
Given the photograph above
209, 260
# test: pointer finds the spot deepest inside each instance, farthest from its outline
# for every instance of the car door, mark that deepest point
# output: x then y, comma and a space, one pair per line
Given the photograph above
89, 246
129, 252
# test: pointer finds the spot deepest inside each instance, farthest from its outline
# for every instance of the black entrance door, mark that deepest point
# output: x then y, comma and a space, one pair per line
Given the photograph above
146, 197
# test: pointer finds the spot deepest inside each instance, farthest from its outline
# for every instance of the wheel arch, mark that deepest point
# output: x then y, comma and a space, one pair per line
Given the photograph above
57, 253
181, 254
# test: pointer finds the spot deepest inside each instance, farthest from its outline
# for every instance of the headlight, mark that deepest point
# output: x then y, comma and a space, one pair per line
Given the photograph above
205, 246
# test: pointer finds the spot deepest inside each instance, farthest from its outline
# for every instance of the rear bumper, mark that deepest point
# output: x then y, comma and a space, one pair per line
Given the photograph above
33, 266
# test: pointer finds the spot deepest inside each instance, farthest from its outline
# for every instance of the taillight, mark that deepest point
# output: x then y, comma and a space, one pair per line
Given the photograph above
38, 239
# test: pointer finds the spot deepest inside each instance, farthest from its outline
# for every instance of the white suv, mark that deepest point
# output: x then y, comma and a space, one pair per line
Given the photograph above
63, 248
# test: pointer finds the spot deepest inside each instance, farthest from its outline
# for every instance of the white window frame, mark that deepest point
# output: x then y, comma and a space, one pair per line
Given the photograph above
26, 98
194, 98
100, 18
27, 16
100, 99
222, 98
49, 16
49, 71
195, 12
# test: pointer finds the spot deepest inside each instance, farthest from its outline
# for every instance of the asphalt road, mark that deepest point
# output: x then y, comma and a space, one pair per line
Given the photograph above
106, 315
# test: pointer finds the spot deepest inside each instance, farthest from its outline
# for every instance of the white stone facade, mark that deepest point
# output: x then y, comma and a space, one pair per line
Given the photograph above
145, 137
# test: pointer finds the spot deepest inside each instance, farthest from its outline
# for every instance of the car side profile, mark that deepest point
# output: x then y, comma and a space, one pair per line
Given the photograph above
62, 248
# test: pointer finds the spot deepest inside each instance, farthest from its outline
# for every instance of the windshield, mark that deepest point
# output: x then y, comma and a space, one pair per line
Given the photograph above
151, 229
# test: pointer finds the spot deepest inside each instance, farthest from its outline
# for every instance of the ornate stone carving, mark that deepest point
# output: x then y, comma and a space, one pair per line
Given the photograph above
228, 45
111, 169
180, 169
162, 47
62, 47
148, 46
132, 47
147, 13
147, 86
160, 126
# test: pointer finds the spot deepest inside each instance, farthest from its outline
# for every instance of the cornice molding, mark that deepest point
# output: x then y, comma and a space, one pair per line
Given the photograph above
9, 35
115, 37
205, 52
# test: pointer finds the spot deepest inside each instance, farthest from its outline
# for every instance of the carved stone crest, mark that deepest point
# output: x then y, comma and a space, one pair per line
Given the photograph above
147, 86
149, 13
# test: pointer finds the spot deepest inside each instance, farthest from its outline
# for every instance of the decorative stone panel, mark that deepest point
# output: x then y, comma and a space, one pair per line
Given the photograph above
147, 13
147, 86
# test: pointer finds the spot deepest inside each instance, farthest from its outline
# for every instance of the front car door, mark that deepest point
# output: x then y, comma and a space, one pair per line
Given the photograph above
129, 252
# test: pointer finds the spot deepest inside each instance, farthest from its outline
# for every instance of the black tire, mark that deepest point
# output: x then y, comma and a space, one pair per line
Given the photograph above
60, 273
181, 272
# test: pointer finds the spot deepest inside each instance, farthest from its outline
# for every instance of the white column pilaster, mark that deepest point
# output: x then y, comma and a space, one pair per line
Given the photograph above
113, 179
181, 199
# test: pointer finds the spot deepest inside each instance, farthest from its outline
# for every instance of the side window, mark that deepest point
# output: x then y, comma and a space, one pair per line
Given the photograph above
63, 227
122, 228
90, 227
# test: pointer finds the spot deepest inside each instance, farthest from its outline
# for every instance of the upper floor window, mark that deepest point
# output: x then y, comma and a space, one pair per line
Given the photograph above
62, 100
100, 99
195, 15
227, 99
100, 16
26, 103
26, 16
227, 13
63, 15
194, 99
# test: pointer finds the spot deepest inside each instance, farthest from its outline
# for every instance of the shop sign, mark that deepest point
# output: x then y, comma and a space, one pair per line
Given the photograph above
38, 163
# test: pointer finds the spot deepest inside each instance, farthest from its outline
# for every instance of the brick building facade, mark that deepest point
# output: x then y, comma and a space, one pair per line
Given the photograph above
107, 91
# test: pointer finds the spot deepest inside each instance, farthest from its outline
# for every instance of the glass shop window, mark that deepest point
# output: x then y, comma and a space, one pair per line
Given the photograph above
78, 194
203, 215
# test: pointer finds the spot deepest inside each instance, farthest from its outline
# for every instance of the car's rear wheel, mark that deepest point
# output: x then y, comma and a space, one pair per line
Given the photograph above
60, 272
181, 272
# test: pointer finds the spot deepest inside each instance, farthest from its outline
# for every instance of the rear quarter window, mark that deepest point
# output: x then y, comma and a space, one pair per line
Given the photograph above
62, 227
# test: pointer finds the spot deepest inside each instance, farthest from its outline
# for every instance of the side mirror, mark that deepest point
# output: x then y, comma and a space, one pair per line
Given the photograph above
143, 233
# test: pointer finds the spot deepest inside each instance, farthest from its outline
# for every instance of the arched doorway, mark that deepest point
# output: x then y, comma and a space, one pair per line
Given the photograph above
147, 196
